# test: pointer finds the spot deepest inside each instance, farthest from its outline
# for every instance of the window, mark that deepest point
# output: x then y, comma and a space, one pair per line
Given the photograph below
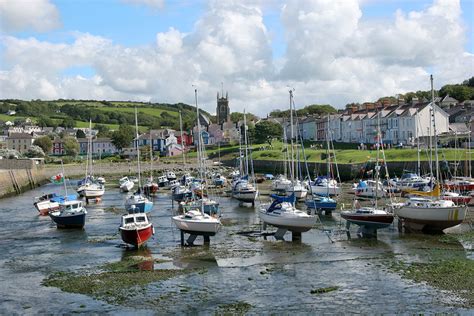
141, 219
129, 220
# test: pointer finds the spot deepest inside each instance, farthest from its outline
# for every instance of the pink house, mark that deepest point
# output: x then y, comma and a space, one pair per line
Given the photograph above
174, 150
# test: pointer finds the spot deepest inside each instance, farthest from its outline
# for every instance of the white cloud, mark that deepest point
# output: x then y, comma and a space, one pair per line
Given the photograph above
154, 4
36, 15
334, 56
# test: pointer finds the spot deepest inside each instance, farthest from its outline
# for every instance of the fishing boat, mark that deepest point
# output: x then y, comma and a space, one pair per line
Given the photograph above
409, 181
46, 203
196, 222
137, 202
430, 213
162, 181
282, 213
181, 193
71, 214
369, 219
126, 185
170, 175
136, 229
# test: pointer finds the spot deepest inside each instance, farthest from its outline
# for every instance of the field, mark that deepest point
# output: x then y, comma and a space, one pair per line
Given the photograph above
156, 112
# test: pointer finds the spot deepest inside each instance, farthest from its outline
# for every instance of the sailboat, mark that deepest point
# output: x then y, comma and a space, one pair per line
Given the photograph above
326, 185
430, 213
70, 213
242, 189
282, 212
137, 202
370, 218
150, 186
281, 182
196, 221
91, 189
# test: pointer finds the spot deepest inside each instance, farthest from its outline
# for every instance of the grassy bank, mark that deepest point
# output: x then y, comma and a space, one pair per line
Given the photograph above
344, 156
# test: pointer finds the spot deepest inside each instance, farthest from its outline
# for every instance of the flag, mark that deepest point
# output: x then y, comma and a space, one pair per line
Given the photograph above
57, 179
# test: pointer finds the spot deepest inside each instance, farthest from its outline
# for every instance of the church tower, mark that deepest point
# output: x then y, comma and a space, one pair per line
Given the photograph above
223, 109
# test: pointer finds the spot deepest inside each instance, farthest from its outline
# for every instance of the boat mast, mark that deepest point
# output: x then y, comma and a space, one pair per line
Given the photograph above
90, 139
434, 131
182, 140
199, 135
377, 167
418, 150
328, 160
138, 150
151, 159
285, 171
64, 179
246, 145
292, 166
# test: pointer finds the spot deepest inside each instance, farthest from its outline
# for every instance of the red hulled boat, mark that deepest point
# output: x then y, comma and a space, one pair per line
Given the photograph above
136, 229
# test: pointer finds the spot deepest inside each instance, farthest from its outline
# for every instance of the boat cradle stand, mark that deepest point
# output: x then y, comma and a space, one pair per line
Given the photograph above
363, 231
280, 233
192, 237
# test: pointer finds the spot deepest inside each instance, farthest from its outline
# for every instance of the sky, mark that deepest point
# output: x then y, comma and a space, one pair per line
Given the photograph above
329, 51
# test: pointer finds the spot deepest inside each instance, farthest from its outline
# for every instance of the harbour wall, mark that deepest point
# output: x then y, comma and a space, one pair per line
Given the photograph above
353, 171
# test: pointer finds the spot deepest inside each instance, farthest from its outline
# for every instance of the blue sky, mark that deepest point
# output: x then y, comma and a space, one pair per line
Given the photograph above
130, 28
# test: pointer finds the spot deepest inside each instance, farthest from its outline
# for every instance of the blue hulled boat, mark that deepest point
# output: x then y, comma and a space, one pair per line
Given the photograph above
71, 214
138, 203
321, 203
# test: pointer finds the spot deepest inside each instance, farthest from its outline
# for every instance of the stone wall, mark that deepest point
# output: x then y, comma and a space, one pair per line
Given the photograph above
15, 181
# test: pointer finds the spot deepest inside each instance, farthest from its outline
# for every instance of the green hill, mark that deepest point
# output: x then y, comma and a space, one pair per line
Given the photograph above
111, 113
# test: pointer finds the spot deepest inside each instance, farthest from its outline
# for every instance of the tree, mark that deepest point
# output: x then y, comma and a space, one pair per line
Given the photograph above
68, 122
265, 131
35, 152
80, 134
71, 146
103, 130
123, 137
44, 121
44, 142
250, 133
237, 116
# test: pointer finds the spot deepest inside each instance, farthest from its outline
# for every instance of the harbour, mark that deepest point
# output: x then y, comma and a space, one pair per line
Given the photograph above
239, 271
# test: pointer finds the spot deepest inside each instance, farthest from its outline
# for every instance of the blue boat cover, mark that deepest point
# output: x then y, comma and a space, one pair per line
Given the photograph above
320, 179
362, 184
63, 198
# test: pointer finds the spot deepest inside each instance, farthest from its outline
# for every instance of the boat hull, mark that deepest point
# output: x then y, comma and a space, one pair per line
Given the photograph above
325, 191
323, 206
140, 207
93, 194
136, 237
69, 221
431, 219
373, 221
245, 196
44, 207
296, 224
196, 227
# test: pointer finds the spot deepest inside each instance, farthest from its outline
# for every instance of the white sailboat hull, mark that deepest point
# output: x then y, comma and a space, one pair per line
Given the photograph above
206, 226
94, 193
127, 186
245, 196
419, 218
325, 191
291, 222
